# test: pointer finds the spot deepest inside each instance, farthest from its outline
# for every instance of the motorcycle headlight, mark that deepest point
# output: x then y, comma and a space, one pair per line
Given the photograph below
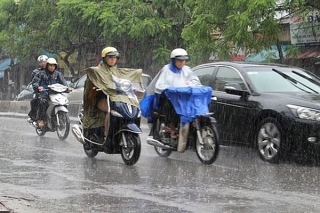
304, 112
125, 85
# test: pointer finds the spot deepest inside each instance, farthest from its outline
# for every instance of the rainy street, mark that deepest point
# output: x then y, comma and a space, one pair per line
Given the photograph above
43, 174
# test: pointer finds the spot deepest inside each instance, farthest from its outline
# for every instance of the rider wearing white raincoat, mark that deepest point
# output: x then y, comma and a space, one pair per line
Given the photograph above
171, 78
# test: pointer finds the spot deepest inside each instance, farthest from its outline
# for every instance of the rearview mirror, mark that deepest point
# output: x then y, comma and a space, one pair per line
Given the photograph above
235, 89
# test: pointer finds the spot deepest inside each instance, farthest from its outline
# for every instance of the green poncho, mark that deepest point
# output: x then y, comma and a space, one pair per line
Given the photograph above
102, 76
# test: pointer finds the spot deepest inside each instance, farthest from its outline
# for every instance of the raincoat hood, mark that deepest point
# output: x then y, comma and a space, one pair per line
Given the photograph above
173, 67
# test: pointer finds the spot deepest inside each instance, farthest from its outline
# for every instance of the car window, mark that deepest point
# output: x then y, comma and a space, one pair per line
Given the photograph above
262, 77
146, 80
227, 75
205, 75
80, 82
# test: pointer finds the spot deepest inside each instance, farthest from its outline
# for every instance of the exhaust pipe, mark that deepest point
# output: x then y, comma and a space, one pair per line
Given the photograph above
157, 143
77, 132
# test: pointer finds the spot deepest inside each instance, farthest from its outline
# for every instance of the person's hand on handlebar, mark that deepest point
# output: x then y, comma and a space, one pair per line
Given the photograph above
40, 88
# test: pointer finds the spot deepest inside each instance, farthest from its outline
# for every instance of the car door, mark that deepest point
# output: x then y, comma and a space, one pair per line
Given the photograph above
233, 112
76, 95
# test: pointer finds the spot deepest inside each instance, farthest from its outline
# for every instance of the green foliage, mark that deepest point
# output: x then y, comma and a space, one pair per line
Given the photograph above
249, 24
292, 50
145, 32
142, 31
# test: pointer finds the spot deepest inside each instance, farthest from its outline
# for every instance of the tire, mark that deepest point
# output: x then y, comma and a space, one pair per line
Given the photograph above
64, 127
163, 152
268, 140
41, 132
91, 153
209, 150
130, 154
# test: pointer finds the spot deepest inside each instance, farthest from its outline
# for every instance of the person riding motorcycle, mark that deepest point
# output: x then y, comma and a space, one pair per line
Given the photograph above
176, 74
99, 87
40, 83
42, 61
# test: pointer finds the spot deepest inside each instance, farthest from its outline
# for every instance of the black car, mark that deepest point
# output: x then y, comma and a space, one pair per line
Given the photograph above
271, 107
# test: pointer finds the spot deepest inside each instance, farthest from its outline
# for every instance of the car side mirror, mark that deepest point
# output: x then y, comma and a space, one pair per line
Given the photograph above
235, 89
73, 80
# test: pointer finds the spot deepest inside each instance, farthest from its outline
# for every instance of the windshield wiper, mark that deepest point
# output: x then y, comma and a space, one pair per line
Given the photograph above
294, 81
306, 77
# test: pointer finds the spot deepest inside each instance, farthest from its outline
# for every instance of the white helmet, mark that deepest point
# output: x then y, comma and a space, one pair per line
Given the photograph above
179, 53
42, 58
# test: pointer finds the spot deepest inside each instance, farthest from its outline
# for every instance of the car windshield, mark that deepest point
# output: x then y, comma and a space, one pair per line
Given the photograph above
283, 79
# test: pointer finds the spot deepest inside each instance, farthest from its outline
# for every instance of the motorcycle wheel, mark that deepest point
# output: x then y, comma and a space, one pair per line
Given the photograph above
130, 154
64, 127
163, 152
208, 151
40, 132
90, 152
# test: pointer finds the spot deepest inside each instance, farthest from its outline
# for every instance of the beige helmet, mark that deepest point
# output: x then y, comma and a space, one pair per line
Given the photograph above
52, 61
109, 51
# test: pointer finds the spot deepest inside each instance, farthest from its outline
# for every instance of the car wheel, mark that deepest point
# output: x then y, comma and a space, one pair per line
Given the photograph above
269, 143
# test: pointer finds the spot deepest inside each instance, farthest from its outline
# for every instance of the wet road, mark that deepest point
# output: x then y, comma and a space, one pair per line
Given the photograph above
44, 174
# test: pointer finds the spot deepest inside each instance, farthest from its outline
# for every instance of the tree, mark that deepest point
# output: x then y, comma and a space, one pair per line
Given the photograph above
247, 24
145, 32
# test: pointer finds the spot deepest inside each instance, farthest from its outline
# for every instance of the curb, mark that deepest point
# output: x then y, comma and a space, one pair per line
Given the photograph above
23, 107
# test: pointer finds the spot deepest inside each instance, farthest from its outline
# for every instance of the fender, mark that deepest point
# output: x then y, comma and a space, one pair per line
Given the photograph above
130, 127
60, 108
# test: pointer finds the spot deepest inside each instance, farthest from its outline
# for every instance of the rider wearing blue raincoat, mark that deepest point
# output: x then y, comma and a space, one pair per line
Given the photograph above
177, 83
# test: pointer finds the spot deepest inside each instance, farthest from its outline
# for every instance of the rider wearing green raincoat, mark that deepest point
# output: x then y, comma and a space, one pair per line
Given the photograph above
101, 84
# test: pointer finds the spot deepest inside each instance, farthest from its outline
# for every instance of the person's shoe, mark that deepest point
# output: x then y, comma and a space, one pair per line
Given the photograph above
41, 124
30, 120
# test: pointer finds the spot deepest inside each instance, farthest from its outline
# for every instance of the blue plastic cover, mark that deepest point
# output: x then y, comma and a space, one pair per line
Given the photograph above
189, 102
147, 106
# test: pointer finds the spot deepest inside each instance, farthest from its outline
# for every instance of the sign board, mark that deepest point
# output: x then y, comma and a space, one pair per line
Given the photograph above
305, 30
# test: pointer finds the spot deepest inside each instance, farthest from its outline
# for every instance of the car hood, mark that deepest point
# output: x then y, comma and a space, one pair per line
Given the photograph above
299, 98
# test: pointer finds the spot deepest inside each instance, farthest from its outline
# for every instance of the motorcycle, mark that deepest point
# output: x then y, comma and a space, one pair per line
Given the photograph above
123, 136
57, 117
197, 133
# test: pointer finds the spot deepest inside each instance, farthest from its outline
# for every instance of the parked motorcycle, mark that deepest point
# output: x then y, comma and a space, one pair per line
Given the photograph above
123, 136
57, 117
199, 133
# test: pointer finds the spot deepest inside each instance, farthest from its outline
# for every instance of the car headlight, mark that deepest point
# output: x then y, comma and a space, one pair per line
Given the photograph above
304, 112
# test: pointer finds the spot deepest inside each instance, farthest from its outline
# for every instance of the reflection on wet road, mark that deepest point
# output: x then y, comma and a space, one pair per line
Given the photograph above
56, 176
